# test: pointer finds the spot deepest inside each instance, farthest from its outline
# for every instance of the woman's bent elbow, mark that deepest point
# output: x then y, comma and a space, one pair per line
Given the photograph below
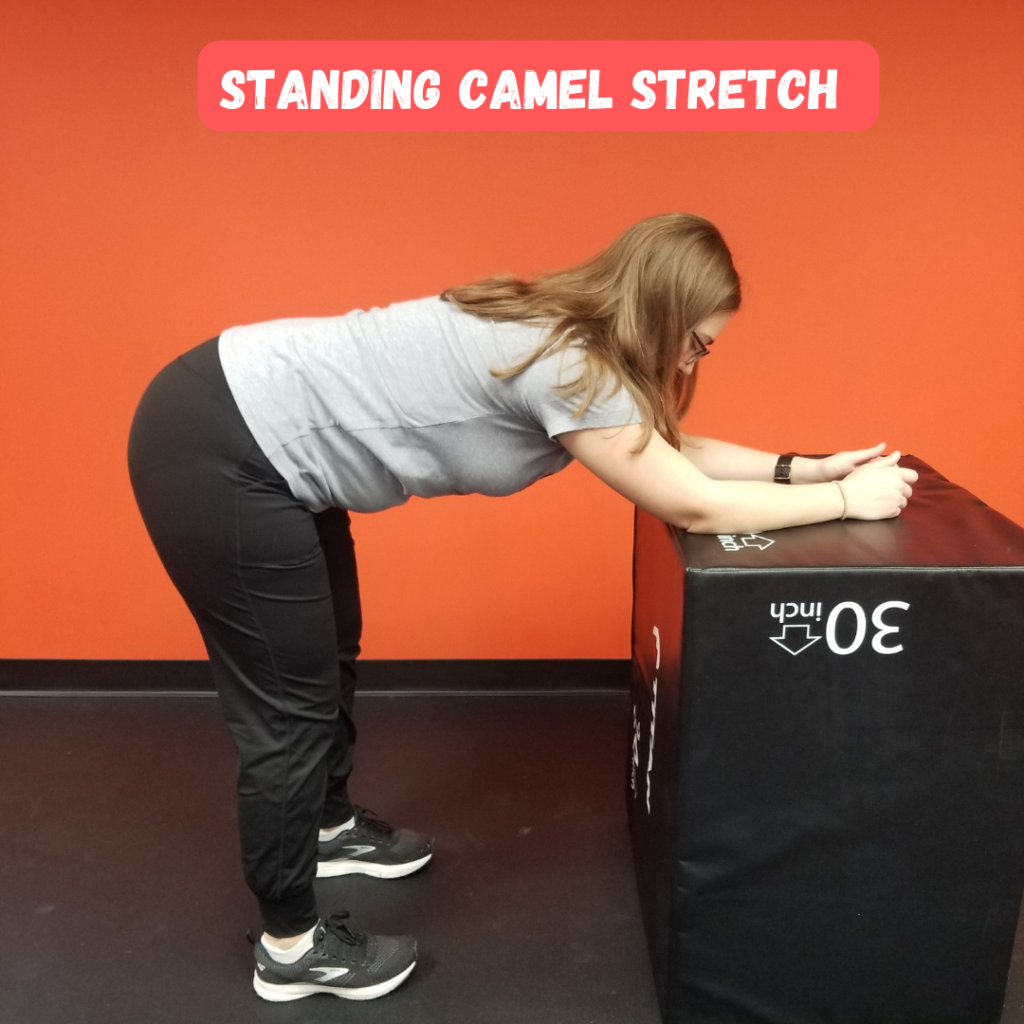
702, 516
695, 524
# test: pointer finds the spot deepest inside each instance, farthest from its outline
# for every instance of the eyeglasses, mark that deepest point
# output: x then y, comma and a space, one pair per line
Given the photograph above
702, 349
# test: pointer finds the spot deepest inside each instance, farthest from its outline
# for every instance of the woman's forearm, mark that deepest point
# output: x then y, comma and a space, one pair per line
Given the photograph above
750, 506
721, 460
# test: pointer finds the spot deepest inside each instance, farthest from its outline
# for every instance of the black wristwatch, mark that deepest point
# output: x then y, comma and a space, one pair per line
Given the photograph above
783, 468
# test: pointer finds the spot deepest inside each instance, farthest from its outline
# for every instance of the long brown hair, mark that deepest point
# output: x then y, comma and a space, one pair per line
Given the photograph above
630, 308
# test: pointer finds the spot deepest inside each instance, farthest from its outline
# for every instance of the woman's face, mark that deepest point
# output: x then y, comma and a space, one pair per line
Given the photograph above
706, 331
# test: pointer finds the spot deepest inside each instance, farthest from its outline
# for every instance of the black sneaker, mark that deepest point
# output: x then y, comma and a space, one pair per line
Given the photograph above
373, 847
341, 963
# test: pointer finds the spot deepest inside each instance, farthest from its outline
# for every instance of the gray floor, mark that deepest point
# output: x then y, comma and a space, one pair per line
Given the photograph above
121, 898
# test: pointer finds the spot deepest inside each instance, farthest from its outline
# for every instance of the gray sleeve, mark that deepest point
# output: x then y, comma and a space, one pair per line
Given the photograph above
554, 412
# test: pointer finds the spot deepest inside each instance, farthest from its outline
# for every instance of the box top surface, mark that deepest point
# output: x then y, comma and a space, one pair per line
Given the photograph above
942, 525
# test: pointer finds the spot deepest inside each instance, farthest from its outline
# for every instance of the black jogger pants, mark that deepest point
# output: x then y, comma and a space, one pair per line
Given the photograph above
274, 591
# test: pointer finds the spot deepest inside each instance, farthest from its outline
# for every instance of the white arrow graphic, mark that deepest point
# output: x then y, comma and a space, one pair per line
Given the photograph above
784, 641
751, 541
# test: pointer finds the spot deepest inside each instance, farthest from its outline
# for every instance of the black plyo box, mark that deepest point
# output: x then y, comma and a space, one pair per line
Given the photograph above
826, 772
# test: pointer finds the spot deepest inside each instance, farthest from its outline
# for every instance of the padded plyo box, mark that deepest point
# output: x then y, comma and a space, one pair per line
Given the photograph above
826, 773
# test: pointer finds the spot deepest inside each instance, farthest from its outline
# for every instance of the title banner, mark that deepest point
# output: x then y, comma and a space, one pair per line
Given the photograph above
469, 85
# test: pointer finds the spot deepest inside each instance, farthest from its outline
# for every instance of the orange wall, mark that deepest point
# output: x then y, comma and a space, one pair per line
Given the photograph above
882, 273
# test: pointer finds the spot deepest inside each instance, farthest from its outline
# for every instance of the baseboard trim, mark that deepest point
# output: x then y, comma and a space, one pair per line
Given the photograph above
391, 677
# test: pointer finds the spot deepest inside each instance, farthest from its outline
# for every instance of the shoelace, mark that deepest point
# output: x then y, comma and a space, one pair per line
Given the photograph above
373, 823
335, 924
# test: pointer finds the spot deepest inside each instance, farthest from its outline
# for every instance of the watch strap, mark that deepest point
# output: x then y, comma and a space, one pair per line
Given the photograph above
783, 468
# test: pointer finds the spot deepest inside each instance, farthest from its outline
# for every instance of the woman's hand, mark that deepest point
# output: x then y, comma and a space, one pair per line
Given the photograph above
878, 488
838, 466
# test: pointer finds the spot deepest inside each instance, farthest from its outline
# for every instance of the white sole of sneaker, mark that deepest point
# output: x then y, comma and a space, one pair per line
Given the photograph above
286, 993
330, 868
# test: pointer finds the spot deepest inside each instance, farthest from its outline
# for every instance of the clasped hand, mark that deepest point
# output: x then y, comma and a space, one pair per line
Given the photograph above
842, 464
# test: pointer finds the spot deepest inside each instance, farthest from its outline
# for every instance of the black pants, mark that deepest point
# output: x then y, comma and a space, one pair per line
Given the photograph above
274, 591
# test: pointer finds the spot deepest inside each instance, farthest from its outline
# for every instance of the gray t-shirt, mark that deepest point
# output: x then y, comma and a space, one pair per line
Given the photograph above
363, 410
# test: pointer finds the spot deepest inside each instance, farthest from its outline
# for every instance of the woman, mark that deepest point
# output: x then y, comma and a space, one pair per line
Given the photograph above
248, 452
